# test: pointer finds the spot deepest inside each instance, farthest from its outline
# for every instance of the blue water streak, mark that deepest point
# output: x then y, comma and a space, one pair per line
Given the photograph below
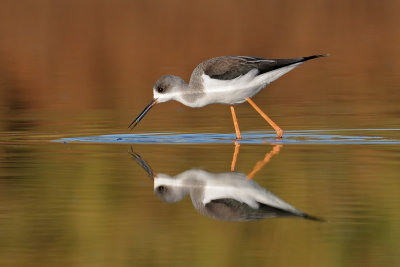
255, 137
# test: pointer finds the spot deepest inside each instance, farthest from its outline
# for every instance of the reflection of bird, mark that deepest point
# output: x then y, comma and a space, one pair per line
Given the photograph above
223, 196
226, 80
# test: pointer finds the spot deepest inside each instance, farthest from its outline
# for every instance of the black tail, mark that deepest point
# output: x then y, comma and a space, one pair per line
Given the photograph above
314, 56
274, 64
313, 218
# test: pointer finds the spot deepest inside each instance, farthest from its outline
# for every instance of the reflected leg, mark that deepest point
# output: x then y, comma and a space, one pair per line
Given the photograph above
275, 150
235, 123
235, 155
279, 131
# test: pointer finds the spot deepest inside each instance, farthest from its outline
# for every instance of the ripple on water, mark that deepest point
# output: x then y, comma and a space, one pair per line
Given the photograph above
335, 136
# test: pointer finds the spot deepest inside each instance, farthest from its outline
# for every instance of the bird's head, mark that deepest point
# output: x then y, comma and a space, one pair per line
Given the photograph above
169, 189
167, 88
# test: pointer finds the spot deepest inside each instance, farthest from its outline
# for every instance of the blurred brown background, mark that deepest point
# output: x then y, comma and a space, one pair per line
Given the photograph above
74, 56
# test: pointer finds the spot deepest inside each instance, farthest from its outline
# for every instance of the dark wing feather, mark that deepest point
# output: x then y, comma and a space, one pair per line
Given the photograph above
228, 68
232, 210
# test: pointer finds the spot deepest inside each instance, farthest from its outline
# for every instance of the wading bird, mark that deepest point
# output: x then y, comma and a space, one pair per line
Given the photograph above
227, 80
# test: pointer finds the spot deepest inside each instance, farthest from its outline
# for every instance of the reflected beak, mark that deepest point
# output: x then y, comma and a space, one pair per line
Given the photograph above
142, 163
141, 115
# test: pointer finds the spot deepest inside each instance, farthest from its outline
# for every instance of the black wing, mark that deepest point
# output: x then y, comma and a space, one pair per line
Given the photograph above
232, 210
228, 68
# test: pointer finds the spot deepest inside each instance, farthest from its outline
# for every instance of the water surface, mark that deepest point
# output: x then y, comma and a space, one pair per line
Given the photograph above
71, 201
352, 136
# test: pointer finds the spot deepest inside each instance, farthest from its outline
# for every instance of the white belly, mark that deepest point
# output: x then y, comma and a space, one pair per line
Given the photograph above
230, 91
230, 96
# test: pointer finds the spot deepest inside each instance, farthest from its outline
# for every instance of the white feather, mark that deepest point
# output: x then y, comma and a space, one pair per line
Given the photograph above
237, 90
226, 185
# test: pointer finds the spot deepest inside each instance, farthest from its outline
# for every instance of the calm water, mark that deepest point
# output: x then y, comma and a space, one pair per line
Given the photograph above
73, 75
92, 204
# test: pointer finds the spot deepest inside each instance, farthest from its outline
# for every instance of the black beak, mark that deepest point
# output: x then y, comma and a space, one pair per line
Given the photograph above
142, 163
141, 115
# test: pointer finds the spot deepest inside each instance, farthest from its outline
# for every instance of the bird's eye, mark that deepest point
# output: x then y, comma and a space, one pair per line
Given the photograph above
160, 89
162, 189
